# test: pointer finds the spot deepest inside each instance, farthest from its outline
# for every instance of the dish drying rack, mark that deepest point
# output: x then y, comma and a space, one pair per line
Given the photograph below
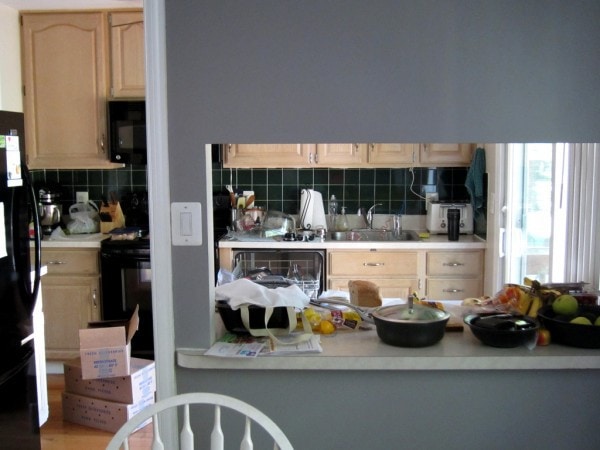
274, 273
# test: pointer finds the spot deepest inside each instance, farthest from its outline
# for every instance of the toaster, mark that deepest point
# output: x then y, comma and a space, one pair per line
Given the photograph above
437, 217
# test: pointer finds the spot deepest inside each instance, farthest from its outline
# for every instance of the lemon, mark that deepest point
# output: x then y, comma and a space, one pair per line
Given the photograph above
327, 327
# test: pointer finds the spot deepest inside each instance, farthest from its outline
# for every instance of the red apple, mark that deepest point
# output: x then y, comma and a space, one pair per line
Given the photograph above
543, 337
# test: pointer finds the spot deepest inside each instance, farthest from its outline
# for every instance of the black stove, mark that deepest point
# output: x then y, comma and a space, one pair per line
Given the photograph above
126, 274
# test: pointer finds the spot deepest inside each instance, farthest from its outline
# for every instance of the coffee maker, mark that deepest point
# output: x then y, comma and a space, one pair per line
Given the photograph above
49, 210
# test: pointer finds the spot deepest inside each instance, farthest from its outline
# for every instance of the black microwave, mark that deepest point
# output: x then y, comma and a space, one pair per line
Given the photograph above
127, 131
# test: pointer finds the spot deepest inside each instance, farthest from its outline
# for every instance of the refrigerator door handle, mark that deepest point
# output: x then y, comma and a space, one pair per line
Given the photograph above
37, 237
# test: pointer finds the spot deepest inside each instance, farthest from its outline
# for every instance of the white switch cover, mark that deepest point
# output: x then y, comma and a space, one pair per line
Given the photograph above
186, 223
82, 197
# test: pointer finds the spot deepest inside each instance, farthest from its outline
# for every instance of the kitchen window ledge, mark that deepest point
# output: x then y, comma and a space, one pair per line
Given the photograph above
364, 351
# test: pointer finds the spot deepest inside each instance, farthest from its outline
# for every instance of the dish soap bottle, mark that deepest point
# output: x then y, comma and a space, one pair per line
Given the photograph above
333, 205
342, 221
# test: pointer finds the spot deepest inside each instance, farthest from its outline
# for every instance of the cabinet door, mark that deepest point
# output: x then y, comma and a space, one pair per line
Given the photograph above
390, 155
455, 264
447, 154
341, 155
65, 89
69, 304
388, 287
367, 264
268, 155
453, 288
127, 54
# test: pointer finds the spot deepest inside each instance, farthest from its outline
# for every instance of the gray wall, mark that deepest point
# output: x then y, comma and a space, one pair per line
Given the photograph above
383, 71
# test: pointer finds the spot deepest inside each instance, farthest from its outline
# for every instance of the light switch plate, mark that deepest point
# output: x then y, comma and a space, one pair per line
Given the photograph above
82, 197
186, 223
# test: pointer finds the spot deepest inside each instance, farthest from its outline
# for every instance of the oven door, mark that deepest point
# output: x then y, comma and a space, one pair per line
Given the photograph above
126, 282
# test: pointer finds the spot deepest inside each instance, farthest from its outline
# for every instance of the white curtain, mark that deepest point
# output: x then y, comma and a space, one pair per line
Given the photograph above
582, 256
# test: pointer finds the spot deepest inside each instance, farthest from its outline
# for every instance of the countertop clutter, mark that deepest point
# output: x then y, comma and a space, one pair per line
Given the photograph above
74, 241
363, 350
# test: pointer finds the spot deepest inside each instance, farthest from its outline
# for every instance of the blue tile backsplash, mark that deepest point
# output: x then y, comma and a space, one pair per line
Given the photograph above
279, 189
97, 182
397, 189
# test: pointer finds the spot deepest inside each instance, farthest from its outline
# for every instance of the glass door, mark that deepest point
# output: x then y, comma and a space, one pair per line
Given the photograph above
534, 212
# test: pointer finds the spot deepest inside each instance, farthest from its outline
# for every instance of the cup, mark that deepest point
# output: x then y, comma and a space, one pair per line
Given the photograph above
453, 224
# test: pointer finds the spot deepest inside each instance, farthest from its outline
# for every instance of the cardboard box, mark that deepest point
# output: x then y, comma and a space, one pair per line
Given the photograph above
129, 389
105, 348
101, 414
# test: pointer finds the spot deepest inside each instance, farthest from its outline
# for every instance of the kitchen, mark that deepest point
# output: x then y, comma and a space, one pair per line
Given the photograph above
186, 272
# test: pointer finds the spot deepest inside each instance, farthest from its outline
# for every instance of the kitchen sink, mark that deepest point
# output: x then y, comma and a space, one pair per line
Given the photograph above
375, 234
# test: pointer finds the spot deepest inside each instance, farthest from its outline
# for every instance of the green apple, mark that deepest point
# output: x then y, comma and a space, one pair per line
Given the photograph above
581, 320
565, 304
597, 321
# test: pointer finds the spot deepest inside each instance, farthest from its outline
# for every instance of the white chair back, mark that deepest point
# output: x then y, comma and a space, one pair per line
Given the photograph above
186, 437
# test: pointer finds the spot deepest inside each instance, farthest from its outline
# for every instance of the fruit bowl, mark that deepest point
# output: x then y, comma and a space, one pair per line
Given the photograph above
503, 330
562, 331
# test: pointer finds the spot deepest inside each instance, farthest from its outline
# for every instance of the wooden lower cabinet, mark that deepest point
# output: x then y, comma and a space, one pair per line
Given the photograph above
71, 293
454, 275
437, 275
69, 304
395, 272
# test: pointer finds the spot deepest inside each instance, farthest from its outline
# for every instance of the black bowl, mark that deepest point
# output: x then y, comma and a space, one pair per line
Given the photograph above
503, 330
572, 334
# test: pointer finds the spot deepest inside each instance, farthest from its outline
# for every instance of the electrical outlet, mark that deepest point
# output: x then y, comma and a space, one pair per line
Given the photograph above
82, 197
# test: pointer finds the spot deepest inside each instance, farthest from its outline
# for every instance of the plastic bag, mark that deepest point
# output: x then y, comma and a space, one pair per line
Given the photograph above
84, 218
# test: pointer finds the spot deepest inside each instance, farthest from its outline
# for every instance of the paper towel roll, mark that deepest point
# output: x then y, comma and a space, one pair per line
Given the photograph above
312, 213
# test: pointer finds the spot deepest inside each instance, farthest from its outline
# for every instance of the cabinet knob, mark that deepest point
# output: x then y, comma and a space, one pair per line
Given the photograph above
55, 263
376, 264
453, 291
102, 144
95, 298
453, 264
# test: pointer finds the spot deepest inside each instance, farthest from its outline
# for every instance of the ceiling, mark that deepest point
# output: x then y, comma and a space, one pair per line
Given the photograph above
22, 5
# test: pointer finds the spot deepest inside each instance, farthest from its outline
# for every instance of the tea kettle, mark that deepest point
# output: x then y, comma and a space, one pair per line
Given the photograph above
49, 210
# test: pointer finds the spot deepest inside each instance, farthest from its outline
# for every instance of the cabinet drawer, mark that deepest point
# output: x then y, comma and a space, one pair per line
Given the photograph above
453, 289
455, 263
388, 287
71, 261
364, 265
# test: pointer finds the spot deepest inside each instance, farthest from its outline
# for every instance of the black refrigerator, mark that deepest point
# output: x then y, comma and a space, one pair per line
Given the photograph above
19, 285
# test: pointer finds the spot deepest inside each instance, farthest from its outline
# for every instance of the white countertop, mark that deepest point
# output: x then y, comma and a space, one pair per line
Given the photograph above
75, 241
434, 242
363, 350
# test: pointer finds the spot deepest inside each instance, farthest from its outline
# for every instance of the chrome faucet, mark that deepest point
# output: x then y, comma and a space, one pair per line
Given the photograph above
370, 214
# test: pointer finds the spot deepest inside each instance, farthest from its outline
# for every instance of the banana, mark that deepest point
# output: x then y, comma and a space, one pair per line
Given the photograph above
536, 304
525, 299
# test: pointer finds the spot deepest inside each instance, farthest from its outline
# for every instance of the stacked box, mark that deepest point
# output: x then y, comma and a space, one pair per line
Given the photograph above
105, 387
105, 348
107, 403
101, 414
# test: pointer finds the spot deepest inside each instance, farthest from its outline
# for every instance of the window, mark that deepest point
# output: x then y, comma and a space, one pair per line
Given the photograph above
551, 213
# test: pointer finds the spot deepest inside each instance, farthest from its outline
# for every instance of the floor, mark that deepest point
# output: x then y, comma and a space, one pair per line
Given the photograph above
57, 434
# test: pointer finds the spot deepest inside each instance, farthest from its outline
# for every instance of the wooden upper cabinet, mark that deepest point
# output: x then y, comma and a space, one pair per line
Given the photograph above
64, 61
446, 154
267, 155
346, 155
127, 54
390, 155
340, 155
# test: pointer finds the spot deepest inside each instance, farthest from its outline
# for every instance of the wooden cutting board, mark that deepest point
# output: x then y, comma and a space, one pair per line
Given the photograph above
455, 324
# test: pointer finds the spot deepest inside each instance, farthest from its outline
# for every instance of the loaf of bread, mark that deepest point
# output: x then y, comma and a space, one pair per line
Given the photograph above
364, 293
